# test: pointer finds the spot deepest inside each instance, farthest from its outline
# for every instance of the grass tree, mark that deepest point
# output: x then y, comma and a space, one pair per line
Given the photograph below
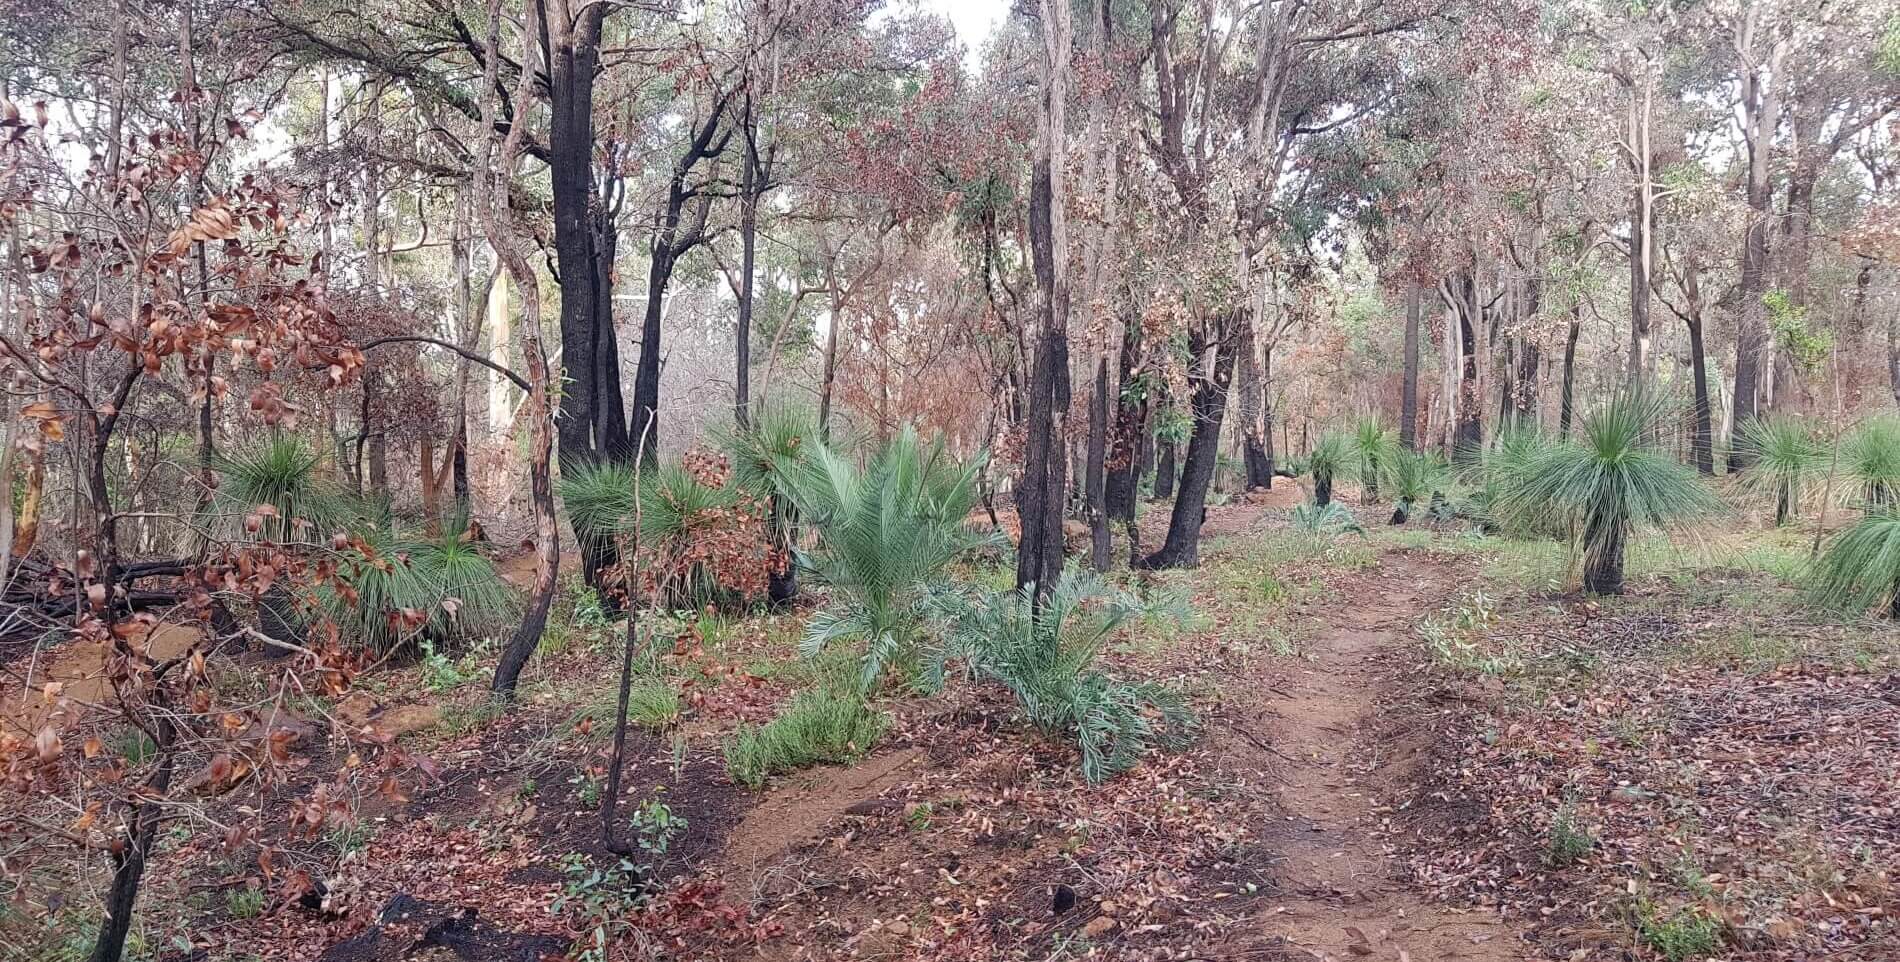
764, 456
285, 472
1375, 450
406, 585
1870, 456
1783, 457
1416, 476
1860, 570
884, 533
1329, 457
1499, 468
701, 538
276, 490
1602, 485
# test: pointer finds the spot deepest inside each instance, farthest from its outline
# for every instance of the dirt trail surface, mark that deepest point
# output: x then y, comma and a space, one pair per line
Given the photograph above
1341, 892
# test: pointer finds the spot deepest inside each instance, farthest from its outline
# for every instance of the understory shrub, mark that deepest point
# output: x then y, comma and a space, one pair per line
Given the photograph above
819, 726
1683, 934
1324, 520
884, 535
1860, 570
1045, 654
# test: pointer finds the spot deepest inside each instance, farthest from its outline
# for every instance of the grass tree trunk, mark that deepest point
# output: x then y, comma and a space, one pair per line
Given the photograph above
1603, 559
1322, 490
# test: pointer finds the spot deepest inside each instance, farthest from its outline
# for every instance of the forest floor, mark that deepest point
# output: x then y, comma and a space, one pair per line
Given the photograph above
1415, 745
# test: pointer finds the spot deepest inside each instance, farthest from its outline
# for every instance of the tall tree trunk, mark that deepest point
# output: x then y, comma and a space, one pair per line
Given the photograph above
1469, 436
1166, 471
1040, 502
834, 320
1702, 440
1566, 404
1760, 122
1408, 384
1253, 453
1094, 487
1266, 412
1182, 549
527, 636
750, 187
1131, 403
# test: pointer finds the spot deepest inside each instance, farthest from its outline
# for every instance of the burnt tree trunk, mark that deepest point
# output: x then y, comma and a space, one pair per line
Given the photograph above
1124, 456
1258, 473
1266, 416
1408, 384
129, 861
1165, 470
1095, 474
1566, 403
1209, 404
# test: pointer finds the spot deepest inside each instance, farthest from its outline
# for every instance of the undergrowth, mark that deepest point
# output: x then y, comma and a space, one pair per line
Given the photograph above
819, 726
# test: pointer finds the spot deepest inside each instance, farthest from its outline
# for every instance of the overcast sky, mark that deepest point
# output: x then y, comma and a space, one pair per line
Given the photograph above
974, 19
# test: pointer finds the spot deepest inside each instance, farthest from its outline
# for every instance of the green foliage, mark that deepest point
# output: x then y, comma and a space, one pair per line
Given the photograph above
1327, 520
1870, 458
1374, 450
1807, 346
1782, 455
883, 534
653, 703
408, 585
1460, 638
1045, 654
1330, 456
819, 726
1569, 840
1173, 425
603, 895
1860, 570
1603, 485
1680, 935
244, 902
439, 672
284, 472
655, 827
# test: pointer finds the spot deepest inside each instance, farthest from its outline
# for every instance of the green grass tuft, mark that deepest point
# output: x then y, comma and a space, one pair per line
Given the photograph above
818, 727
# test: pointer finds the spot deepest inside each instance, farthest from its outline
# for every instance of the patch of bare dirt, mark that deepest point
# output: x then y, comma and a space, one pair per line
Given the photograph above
801, 808
1342, 894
